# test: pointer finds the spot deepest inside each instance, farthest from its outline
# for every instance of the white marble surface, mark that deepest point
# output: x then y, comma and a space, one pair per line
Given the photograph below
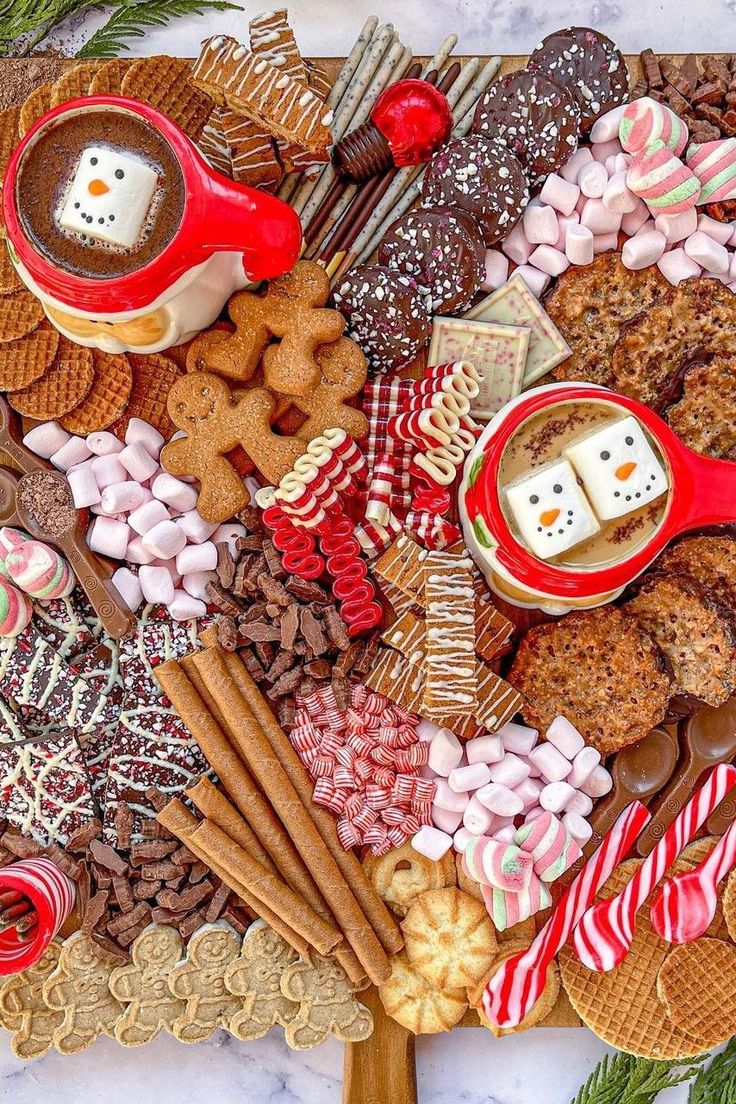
543, 1066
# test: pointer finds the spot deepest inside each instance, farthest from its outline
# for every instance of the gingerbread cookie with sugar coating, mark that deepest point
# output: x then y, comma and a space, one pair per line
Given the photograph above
24, 1011
143, 986
327, 1004
343, 371
79, 988
199, 981
256, 977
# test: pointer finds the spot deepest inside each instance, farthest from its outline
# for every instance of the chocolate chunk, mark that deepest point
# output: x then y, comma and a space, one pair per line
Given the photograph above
347, 659
253, 543
163, 870
312, 632
224, 602
273, 560
363, 665
287, 684
163, 916
712, 92
650, 65
227, 634
282, 663
265, 652
189, 924
287, 712
183, 856
124, 939
336, 629
241, 583
255, 612
258, 632
308, 591
289, 626
124, 821
147, 850
125, 920
81, 838
157, 801
145, 890
235, 921
250, 517
225, 566
252, 665
218, 903
23, 847
341, 690
318, 668
123, 894
198, 871
107, 857
94, 911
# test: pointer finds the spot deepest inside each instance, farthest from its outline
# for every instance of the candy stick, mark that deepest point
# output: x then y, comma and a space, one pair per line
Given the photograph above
46, 893
516, 987
684, 907
604, 934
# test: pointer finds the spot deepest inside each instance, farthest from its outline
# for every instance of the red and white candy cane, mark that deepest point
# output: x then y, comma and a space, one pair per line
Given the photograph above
684, 907
516, 987
51, 894
604, 934
461, 376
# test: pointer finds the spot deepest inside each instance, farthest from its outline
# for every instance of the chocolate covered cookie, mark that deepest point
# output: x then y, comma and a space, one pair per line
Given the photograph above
388, 314
589, 65
481, 177
535, 117
442, 250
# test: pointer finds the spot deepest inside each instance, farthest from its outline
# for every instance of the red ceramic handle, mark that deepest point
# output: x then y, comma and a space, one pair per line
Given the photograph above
713, 493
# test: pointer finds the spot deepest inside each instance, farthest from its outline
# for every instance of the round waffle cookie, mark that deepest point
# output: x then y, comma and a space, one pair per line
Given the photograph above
153, 377
61, 388
166, 84
74, 83
590, 303
589, 64
622, 1006
10, 281
26, 360
696, 984
107, 398
541, 1009
34, 106
108, 80
20, 313
9, 133
729, 906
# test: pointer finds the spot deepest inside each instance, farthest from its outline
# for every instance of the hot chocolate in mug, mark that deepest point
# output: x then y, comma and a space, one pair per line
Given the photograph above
131, 241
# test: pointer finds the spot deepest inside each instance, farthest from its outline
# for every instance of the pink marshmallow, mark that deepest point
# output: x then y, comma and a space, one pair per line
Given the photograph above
611, 164
579, 245
536, 281
574, 164
449, 799
83, 486
46, 439
580, 803
484, 749
550, 260
137, 461
137, 554
167, 488
578, 828
164, 540
197, 557
445, 752
431, 842
518, 738
449, 820
476, 817
565, 737
183, 607
719, 231
634, 220
555, 796
676, 266
510, 771
108, 470
145, 517
534, 771
505, 834
195, 583
677, 227
103, 443
592, 180
463, 779
500, 799
597, 784
540, 224
195, 528
128, 587
170, 566
73, 451
515, 245
605, 129
603, 150
708, 253
551, 762
108, 537
560, 193
140, 432
643, 250
156, 585
229, 532
617, 195
622, 162
461, 839
530, 815
497, 270
598, 219
494, 863
583, 765
529, 791
563, 222
119, 497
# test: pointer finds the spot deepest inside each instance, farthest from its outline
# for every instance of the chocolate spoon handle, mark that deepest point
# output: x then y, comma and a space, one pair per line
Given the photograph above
12, 444
723, 817
672, 800
117, 620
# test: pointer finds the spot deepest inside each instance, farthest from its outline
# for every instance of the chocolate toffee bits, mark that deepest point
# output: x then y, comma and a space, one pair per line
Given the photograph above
481, 177
589, 64
387, 313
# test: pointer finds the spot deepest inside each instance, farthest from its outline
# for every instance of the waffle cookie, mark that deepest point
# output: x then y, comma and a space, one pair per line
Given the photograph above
107, 398
710, 560
695, 634
74, 83
598, 669
166, 84
20, 313
61, 388
153, 377
34, 106
26, 360
9, 131
696, 984
10, 281
729, 906
705, 416
108, 80
590, 304
622, 1006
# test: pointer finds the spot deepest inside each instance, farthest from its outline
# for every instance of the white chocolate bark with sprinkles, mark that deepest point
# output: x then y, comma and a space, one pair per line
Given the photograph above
451, 682
251, 86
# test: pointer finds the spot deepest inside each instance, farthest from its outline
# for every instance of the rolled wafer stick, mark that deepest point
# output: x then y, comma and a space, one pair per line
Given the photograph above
177, 819
187, 663
250, 740
375, 910
214, 806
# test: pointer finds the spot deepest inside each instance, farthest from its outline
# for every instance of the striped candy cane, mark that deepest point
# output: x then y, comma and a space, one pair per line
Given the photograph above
346, 450
684, 907
51, 894
603, 937
513, 991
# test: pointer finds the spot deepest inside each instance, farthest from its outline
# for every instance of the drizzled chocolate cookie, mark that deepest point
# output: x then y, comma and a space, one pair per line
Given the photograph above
388, 314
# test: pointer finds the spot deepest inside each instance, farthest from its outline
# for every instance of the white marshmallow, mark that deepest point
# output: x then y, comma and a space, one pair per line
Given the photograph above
677, 227
563, 222
167, 488
476, 817
604, 243
431, 843
46, 439
108, 537
148, 515
634, 220
195, 583
445, 752
708, 253
583, 765
565, 737
170, 566
447, 798
579, 245
535, 280
461, 839
676, 266
119, 497
560, 193
195, 528
540, 223
518, 738
197, 557
140, 432
128, 587
719, 231
618, 467
617, 195
500, 799
472, 777
580, 804
603, 150
110, 196
183, 607
551, 762
156, 584
598, 784
164, 540
484, 749
595, 216
73, 451
497, 270
515, 245
102, 443
505, 834
550, 510
137, 554
529, 791
592, 179
137, 461
509, 771
555, 796
605, 129
83, 486
550, 260
575, 162
578, 827
108, 470
447, 820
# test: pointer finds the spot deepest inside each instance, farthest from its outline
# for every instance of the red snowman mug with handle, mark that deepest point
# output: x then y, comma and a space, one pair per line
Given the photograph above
700, 492
227, 235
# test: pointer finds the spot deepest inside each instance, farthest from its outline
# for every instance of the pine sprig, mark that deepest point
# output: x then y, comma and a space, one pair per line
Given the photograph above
716, 1083
131, 20
623, 1079
37, 18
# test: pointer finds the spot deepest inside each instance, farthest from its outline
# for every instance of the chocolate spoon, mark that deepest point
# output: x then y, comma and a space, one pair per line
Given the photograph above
708, 738
685, 905
639, 772
117, 619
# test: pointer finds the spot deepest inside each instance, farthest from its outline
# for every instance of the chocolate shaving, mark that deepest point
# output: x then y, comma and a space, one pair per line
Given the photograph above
273, 560
258, 632
220, 598
312, 632
106, 857
81, 838
227, 634
95, 910
308, 591
218, 903
225, 567
287, 684
281, 664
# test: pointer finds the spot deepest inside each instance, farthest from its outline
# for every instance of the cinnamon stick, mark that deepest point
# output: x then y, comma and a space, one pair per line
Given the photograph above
251, 742
374, 908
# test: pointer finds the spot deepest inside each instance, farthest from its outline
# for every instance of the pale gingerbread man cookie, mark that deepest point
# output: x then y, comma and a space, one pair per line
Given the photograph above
327, 1004
79, 987
199, 981
24, 1011
256, 977
143, 986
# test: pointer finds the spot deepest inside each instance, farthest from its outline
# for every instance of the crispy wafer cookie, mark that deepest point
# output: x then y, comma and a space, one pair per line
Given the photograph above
729, 906
108, 80
153, 377
697, 985
9, 131
20, 313
106, 399
10, 281
61, 388
74, 83
34, 106
451, 683
26, 360
166, 84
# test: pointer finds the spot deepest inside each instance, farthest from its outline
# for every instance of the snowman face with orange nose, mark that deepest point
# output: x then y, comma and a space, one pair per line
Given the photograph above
618, 468
109, 197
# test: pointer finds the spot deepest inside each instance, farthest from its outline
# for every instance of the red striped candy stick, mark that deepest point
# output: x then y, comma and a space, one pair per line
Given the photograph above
603, 936
345, 448
516, 987
684, 907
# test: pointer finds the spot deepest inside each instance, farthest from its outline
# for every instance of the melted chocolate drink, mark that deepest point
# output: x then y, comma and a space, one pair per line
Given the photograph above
100, 194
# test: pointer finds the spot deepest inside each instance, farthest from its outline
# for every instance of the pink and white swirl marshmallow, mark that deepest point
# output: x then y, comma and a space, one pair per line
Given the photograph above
506, 909
15, 609
498, 864
714, 164
645, 121
551, 846
39, 570
661, 179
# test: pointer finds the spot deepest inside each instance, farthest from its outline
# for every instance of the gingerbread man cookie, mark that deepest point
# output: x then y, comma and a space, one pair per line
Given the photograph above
328, 1005
343, 370
79, 987
256, 977
24, 1011
144, 986
215, 423
199, 981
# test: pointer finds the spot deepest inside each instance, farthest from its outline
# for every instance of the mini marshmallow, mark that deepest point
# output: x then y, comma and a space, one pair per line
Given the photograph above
164, 540
170, 566
484, 749
622, 162
531, 815
633, 221
102, 443
551, 762
603, 150
461, 839
473, 777
605, 243
583, 765
579, 245
617, 196
499, 799
708, 253
195, 528
148, 515
719, 231
229, 532
108, 537
536, 281
196, 582
449, 799
595, 216
550, 510
677, 227
605, 128
83, 486
496, 270
618, 467
156, 584
183, 607
611, 165
550, 260
560, 193
578, 828
505, 834
575, 162
580, 803
197, 557
515, 245
509, 771
108, 470
431, 842
555, 796
540, 223
128, 587
167, 488
448, 820
140, 432
137, 554
534, 771
445, 752
120, 497
529, 790
676, 266
563, 221
518, 738
565, 737
597, 784
476, 817
46, 439
592, 180
74, 451
137, 461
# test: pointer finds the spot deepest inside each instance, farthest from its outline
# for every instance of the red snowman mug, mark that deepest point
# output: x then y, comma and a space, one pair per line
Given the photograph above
701, 492
227, 236
52, 895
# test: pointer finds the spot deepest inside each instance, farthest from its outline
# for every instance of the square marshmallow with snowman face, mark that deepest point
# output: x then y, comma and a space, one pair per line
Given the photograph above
109, 197
550, 510
618, 468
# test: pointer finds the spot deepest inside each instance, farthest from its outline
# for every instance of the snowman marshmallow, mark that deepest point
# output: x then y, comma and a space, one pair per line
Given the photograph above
109, 197
618, 468
550, 510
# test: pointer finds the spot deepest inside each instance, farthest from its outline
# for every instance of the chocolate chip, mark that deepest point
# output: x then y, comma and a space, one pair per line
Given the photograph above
106, 857
225, 566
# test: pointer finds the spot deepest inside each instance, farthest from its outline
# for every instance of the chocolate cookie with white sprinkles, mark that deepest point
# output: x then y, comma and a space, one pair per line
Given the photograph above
589, 64
388, 314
